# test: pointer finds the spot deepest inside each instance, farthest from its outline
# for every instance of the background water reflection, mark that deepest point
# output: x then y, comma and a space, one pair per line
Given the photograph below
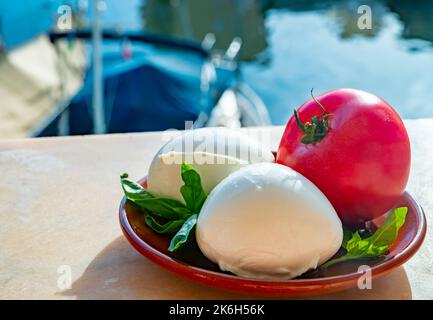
292, 46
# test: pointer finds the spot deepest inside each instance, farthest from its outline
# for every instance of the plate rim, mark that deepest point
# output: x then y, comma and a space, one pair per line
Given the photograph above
271, 286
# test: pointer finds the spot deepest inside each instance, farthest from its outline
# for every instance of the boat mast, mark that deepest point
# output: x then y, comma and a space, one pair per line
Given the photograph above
98, 82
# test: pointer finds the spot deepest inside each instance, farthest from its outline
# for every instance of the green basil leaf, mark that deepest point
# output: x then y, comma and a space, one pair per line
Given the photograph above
356, 245
377, 244
169, 227
384, 237
192, 191
181, 237
163, 207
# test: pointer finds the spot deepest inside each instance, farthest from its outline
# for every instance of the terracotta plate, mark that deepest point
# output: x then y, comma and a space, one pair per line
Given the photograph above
192, 264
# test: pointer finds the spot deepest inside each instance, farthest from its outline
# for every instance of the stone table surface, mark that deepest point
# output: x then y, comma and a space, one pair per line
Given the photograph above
59, 221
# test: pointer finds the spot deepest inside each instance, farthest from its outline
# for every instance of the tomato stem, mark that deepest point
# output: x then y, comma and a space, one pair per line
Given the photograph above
316, 129
316, 101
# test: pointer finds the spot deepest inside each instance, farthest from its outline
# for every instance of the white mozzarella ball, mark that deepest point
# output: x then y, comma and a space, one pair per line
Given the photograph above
268, 221
213, 152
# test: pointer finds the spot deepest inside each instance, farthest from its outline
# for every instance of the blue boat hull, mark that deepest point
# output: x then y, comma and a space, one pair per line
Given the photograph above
155, 90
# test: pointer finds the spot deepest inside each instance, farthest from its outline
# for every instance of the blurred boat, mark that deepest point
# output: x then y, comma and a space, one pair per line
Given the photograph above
156, 83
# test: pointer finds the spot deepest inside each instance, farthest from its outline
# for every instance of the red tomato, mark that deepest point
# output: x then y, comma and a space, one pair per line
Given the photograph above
361, 162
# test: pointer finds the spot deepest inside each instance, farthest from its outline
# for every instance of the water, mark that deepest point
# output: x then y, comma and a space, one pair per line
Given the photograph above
291, 47
306, 53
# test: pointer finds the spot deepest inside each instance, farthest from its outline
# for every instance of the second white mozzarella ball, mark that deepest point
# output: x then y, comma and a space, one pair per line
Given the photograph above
213, 152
